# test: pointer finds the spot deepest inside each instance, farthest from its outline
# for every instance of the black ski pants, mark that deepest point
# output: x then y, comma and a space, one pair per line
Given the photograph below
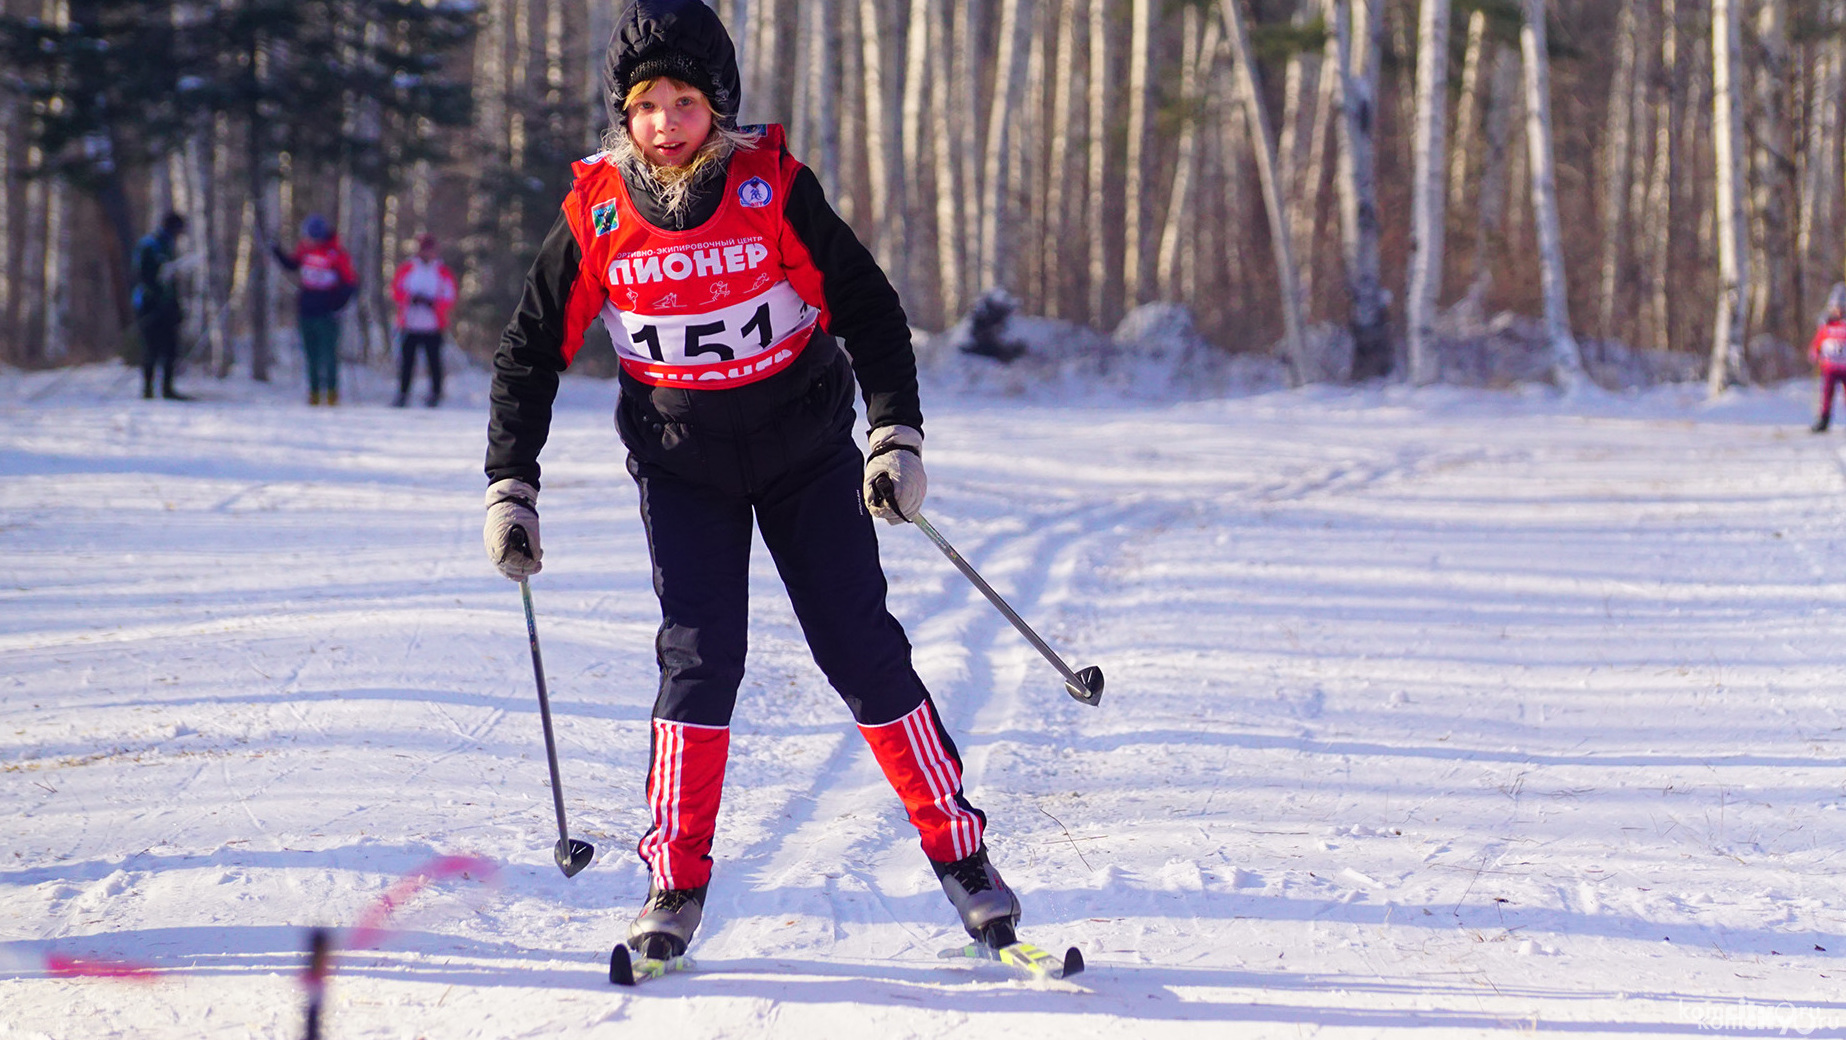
825, 549
430, 343
159, 350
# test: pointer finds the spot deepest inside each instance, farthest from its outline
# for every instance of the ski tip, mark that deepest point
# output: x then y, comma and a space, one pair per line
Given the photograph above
1073, 963
621, 969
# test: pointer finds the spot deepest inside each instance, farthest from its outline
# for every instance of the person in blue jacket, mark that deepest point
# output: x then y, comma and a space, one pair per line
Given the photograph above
158, 313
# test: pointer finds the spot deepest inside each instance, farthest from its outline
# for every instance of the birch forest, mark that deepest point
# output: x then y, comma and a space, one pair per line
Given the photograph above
1662, 174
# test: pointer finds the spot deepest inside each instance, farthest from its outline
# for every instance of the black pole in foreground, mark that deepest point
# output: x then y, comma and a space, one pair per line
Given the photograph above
314, 979
571, 855
1084, 685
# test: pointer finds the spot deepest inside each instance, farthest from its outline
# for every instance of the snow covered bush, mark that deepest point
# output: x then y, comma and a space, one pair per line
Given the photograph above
1156, 353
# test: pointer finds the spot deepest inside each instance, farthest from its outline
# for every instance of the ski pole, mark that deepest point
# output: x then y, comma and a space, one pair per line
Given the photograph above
1085, 685
314, 979
571, 855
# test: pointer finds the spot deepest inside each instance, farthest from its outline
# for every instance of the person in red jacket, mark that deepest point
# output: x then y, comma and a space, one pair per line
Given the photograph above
1828, 350
743, 311
325, 273
424, 289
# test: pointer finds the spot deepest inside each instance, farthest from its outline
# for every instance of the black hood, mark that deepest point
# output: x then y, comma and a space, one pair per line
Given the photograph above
679, 38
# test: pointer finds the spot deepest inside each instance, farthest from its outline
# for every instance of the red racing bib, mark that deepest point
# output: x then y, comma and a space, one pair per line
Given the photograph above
1833, 343
722, 305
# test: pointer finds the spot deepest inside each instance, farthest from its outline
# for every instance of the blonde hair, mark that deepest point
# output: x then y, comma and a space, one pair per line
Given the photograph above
675, 183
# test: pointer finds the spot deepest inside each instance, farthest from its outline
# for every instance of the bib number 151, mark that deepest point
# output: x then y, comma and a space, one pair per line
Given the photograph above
701, 339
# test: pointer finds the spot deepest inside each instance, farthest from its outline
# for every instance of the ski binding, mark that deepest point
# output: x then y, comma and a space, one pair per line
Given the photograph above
632, 971
1028, 960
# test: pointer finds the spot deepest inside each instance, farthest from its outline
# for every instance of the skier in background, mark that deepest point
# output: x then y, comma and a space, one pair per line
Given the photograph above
157, 307
325, 273
1828, 350
424, 289
726, 278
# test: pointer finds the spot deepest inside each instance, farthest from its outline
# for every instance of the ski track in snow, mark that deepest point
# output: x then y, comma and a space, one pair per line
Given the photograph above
1447, 711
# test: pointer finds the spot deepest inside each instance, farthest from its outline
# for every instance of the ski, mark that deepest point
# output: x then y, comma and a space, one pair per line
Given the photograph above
1027, 960
627, 971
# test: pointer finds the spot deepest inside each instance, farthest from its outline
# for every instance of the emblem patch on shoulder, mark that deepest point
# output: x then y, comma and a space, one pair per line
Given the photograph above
755, 193
605, 218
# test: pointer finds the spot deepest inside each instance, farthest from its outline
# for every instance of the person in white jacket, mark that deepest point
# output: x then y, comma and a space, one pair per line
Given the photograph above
424, 289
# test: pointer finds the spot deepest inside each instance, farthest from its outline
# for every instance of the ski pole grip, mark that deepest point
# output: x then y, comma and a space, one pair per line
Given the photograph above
883, 494
522, 542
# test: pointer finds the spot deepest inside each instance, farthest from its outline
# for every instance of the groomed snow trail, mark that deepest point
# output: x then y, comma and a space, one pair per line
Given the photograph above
1439, 711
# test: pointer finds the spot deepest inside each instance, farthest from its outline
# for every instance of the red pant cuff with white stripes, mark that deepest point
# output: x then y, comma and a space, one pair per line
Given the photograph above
926, 775
683, 789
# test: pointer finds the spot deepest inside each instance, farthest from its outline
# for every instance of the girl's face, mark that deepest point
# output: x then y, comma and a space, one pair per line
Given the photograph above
669, 121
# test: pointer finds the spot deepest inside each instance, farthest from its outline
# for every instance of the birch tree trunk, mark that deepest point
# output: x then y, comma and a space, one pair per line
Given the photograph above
1359, 37
1234, 147
1490, 206
1251, 90
1729, 331
227, 220
1427, 221
844, 42
201, 302
1774, 180
1468, 111
950, 257
801, 121
9, 188
256, 169
31, 313
1697, 265
739, 19
1619, 127
1137, 261
1658, 233
1300, 92
1097, 208
601, 28
1009, 84
1821, 183
1566, 360
55, 334
964, 92
1326, 110
1025, 164
1641, 111
489, 79
916, 82
881, 153
1201, 52
1057, 201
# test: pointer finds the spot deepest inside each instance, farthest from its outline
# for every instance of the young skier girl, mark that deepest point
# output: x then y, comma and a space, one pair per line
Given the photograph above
724, 276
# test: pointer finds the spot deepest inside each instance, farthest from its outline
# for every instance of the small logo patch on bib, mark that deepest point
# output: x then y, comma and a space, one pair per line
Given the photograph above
605, 218
755, 193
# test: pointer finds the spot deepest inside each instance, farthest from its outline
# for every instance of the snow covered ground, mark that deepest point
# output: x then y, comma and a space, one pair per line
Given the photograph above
1448, 711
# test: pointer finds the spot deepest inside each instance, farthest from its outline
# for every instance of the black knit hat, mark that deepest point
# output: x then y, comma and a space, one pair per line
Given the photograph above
682, 39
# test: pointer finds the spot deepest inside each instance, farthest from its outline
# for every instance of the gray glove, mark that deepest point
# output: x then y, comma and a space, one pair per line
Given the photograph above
896, 453
512, 506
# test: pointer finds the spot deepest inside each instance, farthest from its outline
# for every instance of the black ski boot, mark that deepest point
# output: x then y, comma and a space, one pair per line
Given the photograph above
1820, 425
988, 908
663, 929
